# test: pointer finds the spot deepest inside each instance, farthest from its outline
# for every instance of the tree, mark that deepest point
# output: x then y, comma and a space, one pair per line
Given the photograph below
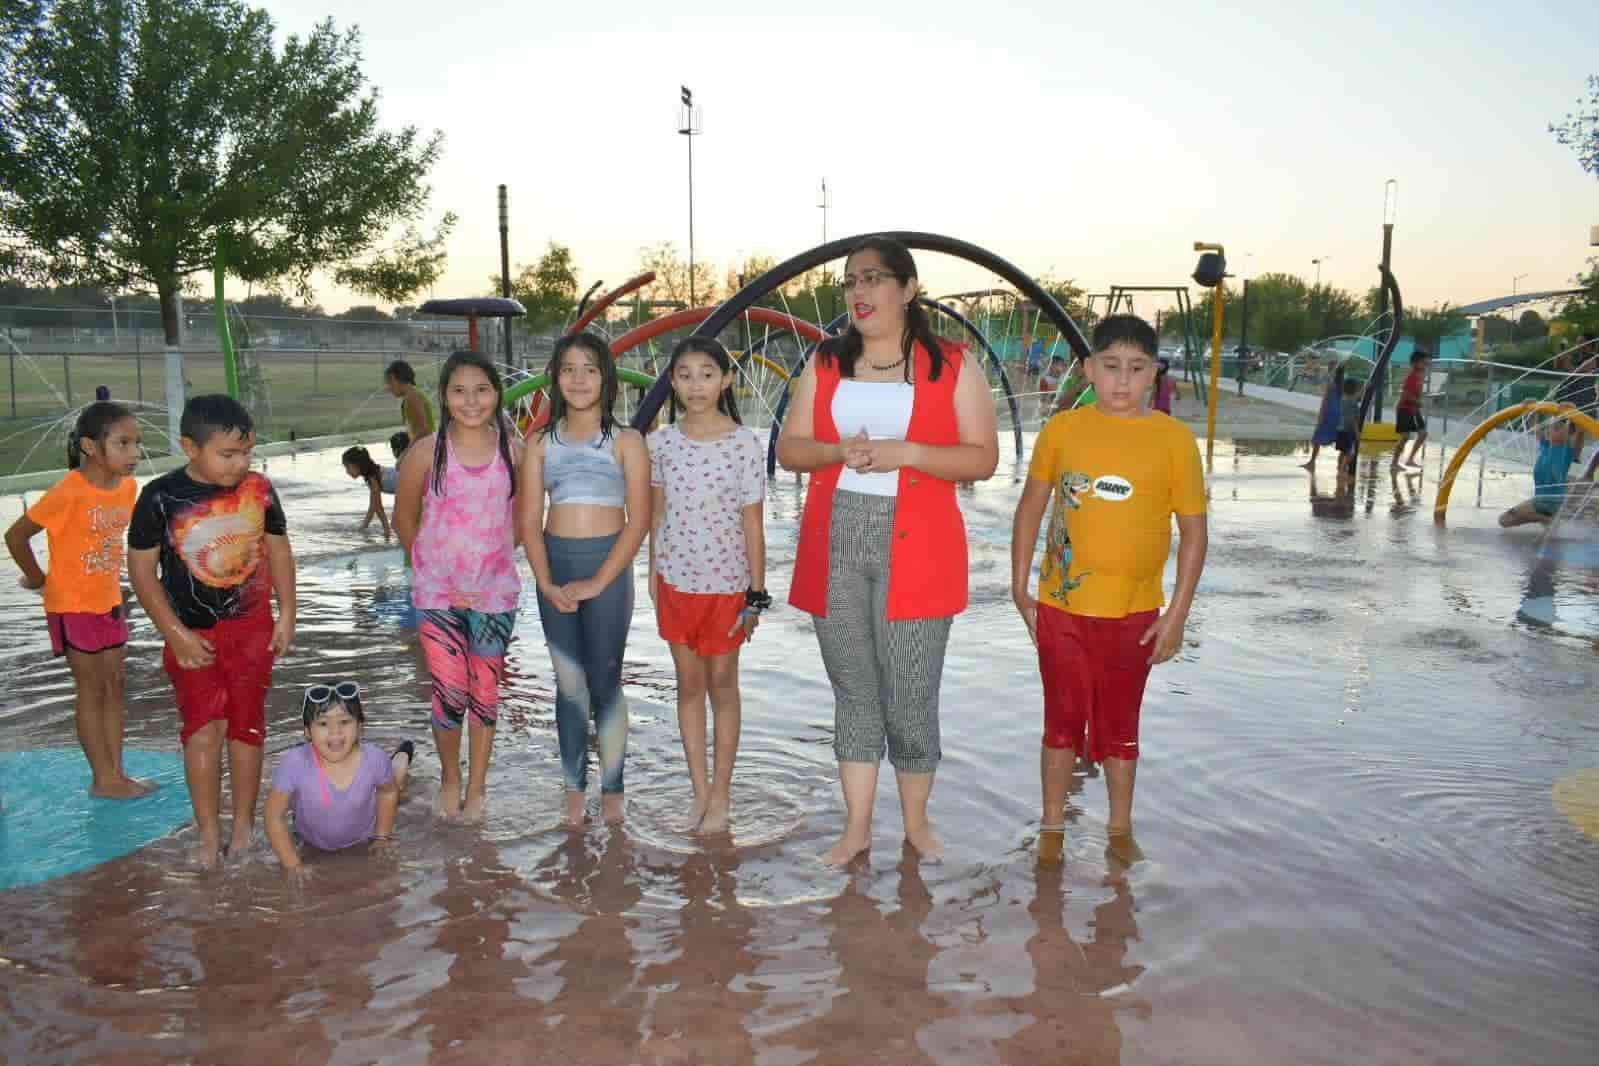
1580, 130
671, 275
1582, 310
1531, 326
547, 289
1429, 328
364, 313
140, 134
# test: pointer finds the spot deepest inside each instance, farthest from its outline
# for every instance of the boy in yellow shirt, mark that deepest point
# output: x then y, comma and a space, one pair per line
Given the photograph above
1118, 471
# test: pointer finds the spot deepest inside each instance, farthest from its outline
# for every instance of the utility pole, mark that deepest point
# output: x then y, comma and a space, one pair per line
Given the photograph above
824, 205
505, 266
688, 124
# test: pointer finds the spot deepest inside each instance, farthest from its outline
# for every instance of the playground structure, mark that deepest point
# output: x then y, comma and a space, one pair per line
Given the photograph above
1525, 409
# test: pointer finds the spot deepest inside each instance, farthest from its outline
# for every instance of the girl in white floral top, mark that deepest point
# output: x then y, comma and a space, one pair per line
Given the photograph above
707, 558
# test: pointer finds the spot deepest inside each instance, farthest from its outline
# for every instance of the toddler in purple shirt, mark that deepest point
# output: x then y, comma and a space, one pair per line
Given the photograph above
342, 792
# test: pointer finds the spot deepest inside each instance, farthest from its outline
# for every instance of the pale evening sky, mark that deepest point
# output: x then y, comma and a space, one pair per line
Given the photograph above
1093, 143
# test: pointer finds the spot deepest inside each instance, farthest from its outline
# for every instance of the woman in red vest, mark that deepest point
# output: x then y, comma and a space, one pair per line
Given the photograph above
886, 418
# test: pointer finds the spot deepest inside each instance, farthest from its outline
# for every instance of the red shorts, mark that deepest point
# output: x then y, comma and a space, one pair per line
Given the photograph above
699, 620
233, 689
1094, 671
88, 633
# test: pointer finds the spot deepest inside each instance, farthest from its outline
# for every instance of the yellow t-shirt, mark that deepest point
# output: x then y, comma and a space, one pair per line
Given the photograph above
86, 528
1116, 482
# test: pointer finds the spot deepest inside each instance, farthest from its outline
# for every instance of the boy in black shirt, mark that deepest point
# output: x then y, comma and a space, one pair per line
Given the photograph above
208, 546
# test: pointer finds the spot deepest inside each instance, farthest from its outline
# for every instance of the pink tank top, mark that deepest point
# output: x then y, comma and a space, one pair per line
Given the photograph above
465, 552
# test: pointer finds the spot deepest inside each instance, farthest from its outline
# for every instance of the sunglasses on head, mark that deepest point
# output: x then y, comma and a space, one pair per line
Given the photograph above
319, 696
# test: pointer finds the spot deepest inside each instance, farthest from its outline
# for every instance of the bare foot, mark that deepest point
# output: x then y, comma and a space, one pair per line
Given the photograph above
144, 787
448, 805
715, 820
845, 851
205, 853
1307, 466
121, 789
1120, 844
575, 803
472, 812
1051, 846
613, 805
928, 846
696, 815
242, 838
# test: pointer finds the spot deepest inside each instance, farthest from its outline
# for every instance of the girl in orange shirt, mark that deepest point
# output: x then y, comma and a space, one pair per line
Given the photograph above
86, 519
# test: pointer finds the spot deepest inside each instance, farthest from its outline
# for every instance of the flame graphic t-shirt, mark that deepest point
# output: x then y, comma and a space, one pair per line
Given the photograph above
213, 560
1116, 484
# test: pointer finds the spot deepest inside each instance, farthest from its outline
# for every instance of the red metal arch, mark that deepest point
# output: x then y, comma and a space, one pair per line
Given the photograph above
693, 316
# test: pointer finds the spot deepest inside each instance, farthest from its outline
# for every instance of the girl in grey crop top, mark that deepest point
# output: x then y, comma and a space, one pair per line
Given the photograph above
583, 471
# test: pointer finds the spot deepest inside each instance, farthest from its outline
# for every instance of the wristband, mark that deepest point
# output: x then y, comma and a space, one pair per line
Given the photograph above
758, 600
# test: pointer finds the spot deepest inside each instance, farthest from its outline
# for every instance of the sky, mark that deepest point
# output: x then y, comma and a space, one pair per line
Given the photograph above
1086, 143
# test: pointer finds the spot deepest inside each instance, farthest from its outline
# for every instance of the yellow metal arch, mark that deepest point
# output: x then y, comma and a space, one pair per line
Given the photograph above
776, 368
1494, 421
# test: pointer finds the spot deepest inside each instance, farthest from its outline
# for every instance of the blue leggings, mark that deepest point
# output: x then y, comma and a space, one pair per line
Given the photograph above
586, 648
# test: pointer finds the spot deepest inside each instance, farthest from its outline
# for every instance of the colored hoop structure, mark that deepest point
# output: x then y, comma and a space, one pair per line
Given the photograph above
1488, 425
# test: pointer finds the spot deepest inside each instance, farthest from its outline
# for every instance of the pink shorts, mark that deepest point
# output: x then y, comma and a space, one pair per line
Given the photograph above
1094, 672
87, 633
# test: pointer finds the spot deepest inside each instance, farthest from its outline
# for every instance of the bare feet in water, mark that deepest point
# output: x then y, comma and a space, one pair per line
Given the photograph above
448, 805
696, 815
928, 846
575, 811
845, 851
613, 805
123, 788
207, 852
472, 811
239, 843
715, 819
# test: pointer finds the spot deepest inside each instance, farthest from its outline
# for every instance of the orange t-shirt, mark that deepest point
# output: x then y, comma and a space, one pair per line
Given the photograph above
87, 530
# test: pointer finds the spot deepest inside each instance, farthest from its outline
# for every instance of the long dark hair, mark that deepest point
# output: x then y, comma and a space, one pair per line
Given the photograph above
94, 423
362, 460
460, 358
709, 346
609, 386
846, 348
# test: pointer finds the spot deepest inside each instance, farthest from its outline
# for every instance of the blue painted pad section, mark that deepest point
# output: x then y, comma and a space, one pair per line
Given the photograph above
50, 826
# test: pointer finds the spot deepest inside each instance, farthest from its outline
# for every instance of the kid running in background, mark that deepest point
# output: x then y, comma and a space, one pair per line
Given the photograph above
1165, 390
707, 558
208, 548
343, 792
455, 512
358, 463
1118, 473
1330, 419
86, 517
1408, 418
1348, 430
597, 474
1549, 477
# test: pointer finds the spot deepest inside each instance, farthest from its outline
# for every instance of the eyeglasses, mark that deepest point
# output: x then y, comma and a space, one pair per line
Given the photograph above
869, 278
319, 696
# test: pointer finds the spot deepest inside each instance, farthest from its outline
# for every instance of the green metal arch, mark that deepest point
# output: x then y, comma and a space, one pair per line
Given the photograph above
516, 393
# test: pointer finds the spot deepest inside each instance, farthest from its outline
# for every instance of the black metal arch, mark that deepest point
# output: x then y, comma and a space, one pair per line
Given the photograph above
993, 357
799, 264
1373, 383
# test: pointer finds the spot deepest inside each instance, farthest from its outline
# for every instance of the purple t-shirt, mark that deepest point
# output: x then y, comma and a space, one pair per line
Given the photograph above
334, 818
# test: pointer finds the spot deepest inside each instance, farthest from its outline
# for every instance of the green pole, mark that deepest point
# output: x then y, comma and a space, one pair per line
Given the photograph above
230, 364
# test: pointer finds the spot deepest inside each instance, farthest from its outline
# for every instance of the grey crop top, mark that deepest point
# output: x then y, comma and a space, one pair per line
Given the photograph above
583, 471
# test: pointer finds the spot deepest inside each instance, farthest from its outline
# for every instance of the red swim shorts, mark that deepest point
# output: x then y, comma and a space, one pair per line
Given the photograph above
87, 633
233, 689
1094, 671
698, 620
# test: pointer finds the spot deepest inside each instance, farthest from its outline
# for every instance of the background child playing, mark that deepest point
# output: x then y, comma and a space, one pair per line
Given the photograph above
1165, 390
1348, 430
1549, 477
343, 792
358, 463
1117, 475
1329, 420
707, 558
597, 474
85, 517
208, 548
1408, 419
455, 512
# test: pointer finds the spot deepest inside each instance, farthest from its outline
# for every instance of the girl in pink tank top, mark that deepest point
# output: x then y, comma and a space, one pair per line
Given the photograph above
455, 511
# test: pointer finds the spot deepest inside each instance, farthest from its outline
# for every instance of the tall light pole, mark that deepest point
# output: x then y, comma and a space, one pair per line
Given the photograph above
1317, 264
688, 124
1211, 273
824, 205
505, 264
1390, 209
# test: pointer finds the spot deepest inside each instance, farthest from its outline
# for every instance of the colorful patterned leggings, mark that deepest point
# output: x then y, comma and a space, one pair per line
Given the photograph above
465, 652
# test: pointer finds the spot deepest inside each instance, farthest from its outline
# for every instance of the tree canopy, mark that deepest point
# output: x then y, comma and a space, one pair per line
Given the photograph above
1580, 129
138, 134
547, 289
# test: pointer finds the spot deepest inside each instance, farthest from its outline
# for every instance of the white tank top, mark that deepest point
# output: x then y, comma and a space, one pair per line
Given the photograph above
883, 410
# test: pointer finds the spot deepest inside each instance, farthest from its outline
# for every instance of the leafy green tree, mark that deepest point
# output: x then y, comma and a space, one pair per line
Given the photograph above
140, 134
671, 275
547, 289
1582, 310
1580, 130
1429, 327
1531, 326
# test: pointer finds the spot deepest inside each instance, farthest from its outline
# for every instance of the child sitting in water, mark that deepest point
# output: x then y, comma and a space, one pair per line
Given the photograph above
358, 463
1549, 477
343, 792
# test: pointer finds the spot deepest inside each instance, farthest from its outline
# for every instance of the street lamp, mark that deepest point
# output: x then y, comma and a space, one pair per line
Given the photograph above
688, 124
1210, 272
1317, 264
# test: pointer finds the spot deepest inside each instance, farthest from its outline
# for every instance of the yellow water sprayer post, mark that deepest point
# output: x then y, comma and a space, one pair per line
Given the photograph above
1215, 354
